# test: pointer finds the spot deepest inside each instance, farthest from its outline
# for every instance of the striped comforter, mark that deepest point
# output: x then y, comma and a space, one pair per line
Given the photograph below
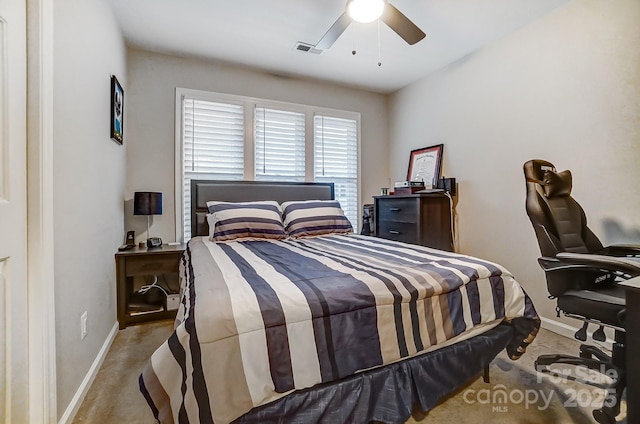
261, 318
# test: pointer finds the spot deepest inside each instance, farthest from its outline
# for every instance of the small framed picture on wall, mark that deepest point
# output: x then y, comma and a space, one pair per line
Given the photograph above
117, 111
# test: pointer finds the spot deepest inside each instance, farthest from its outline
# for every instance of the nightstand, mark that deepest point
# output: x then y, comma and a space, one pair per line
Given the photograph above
415, 218
146, 265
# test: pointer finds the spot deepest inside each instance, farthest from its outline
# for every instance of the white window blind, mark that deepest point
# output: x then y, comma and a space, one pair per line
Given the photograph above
212, 145
336, 160
279, 145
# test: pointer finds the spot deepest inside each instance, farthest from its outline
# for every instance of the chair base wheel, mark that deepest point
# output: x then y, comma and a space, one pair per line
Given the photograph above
602, 418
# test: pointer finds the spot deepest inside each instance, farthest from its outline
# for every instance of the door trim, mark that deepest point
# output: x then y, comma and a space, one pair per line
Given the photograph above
40, 253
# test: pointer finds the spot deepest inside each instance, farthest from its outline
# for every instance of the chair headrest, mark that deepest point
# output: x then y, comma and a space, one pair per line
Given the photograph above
534, 169
543, 174
557, 184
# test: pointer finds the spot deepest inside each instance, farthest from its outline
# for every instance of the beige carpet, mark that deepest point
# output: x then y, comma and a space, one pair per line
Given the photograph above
114, 397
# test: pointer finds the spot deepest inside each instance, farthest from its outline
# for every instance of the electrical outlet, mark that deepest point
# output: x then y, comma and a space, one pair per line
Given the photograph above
173, 302
83, 325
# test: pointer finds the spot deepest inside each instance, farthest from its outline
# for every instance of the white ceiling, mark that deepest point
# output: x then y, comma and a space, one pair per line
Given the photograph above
262, 34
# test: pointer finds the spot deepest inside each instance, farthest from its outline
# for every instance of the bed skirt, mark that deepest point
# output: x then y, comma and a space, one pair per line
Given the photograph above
387, 394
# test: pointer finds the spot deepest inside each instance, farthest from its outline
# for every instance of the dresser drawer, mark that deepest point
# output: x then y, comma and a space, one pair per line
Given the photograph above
398, 210
146, 265
423, 219
399, 231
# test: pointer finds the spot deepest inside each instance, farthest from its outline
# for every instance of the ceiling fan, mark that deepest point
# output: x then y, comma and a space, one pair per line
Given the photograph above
366, 11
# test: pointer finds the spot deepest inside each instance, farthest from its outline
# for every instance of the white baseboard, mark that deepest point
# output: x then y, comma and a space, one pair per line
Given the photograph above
75, 403
569, 331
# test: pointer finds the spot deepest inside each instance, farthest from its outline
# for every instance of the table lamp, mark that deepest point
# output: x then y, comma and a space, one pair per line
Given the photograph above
148, 203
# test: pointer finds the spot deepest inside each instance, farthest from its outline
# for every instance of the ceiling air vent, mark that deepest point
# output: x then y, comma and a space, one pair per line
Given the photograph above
307, 48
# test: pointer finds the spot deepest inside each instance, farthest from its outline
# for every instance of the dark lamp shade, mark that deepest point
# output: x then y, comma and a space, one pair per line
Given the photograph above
147, 203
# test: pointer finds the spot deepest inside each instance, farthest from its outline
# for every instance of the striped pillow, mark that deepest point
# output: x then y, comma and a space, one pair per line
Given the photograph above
231, 221
314, 218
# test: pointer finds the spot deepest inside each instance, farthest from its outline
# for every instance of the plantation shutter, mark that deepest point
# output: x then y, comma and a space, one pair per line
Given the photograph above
212, 145
336, 160
279, 145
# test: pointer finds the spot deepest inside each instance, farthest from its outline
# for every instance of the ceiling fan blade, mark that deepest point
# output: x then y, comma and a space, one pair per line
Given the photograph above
334, 32
401, 24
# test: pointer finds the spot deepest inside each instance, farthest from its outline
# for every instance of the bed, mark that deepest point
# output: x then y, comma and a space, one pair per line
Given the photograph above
324, 328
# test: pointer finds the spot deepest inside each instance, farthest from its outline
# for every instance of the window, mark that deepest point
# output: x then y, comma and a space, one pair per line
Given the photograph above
279, 145
213, 146
336, 160
227, 137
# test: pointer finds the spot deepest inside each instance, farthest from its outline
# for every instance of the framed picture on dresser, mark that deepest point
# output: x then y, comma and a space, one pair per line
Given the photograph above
424, 164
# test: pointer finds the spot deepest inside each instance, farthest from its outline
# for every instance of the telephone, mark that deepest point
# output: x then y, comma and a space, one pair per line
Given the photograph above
154, 242
129, 241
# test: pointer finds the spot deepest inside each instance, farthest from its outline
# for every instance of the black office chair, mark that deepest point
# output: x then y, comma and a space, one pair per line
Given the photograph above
581, 275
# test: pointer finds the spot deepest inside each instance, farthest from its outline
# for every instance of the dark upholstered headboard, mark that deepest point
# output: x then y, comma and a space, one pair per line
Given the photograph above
203, 191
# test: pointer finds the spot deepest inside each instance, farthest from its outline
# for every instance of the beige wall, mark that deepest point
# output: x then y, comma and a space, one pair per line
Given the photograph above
89, 178
153, 79
566, 88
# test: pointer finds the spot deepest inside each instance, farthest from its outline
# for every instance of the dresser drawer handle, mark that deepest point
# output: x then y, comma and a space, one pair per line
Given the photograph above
395, 209
394, 232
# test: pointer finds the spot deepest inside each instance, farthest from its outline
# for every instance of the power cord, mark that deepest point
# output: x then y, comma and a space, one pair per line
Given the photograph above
454, 237
155, 284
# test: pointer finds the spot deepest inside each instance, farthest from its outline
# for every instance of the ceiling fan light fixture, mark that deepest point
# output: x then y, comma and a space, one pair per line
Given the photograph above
365, 11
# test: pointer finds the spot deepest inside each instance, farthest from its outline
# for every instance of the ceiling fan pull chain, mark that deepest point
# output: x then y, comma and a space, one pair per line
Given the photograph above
379, 49
353, 42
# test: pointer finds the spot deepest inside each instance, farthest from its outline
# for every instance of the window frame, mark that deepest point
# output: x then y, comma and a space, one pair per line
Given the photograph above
249, 104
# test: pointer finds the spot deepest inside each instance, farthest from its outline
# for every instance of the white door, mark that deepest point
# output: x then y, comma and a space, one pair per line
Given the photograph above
13, 213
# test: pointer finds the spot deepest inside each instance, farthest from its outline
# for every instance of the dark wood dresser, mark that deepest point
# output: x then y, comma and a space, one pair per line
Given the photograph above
423, 219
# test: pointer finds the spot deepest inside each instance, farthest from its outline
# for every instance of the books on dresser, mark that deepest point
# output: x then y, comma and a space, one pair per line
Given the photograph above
408, 187
409, 184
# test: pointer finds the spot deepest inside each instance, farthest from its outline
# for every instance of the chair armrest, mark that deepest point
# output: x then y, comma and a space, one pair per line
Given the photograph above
566, 261
633, 283
621, 250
